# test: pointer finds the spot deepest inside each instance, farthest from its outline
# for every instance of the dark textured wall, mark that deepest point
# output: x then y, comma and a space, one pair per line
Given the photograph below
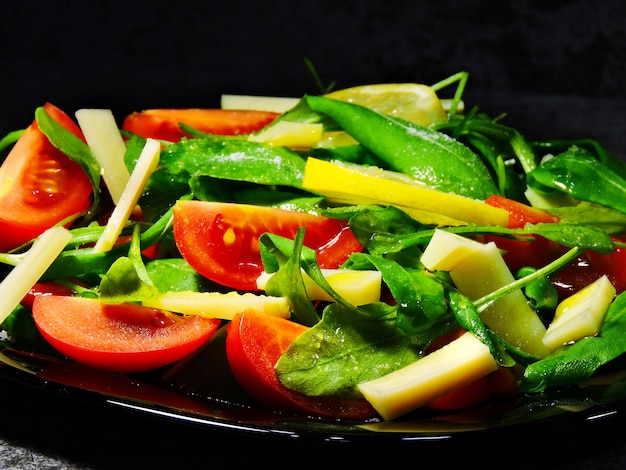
129, 55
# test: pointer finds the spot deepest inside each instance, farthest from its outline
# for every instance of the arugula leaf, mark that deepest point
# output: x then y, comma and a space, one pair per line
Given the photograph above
592, 215
469, 319
287, 279
127, 279
176, 275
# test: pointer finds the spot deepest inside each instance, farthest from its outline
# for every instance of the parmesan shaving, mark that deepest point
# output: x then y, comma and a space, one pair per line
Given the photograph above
107, 146
35, 263
146, 164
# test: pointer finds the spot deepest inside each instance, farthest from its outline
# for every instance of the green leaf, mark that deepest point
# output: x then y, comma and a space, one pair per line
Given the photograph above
592, 215
127, 279
577, 173
571, 365
419, 296
71, 146
574, 235
429, 156
235, 160
10, 139
287, 280
344, 349
176, 275
469, 318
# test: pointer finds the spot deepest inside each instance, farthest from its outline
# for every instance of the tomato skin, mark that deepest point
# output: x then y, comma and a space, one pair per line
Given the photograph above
590, 266
254, 343
44, 288
39, 185
520, 214
500, 382
585, 269
220, 240
163, 124
118, 337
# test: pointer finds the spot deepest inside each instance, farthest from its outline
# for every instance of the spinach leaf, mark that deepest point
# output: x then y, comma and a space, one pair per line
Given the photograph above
344, 349
419, 296
73, 147
577, 173
571, 365
235, 160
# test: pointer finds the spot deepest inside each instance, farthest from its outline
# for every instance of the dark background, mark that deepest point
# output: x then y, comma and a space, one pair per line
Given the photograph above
132, 55
556, 68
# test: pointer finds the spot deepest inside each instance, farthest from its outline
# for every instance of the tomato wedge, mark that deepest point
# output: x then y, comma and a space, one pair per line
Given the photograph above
163, 124
220, 240
40, 186
119, 337
254, 343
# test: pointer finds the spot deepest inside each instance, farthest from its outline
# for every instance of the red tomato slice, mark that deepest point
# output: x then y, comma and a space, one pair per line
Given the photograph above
254, 343
590, 266
520, 214
587, 268
120, 337
39, 185
500, 382
163, 124
220, 240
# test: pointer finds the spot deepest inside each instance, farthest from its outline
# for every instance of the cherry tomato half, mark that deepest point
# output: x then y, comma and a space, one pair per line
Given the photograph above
163, 124
254, 343
118, 337
220, 240
39, 185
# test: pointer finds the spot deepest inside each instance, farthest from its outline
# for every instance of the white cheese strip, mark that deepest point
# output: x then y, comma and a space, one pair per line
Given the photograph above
219, 305
580, 315
511, 317
458, 363
355, 286
446, 250
35, 263
108, 147
146, 164
274, 104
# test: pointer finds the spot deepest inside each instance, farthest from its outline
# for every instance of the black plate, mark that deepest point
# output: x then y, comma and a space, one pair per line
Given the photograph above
200, 391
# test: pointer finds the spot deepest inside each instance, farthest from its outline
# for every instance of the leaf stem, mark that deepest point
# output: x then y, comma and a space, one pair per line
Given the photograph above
487, 300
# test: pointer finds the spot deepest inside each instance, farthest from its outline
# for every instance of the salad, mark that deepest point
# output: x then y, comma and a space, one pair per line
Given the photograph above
367, 254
